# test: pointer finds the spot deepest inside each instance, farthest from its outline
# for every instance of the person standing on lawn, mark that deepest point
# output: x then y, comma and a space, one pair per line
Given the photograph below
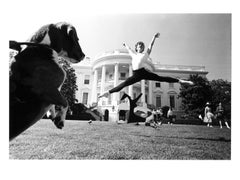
206, 110
140, 71
220, 116
154, 112
170, 116
159, 115
210, 117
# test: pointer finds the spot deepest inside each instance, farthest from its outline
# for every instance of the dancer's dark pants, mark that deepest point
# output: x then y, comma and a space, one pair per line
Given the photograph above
141, 74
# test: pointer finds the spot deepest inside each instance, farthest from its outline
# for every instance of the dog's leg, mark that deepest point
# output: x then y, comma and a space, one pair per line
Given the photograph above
53, 116
60, 117
52, 112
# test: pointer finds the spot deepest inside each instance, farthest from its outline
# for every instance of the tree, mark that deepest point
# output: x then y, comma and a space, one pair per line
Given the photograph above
195, 97
69, 86
222, 93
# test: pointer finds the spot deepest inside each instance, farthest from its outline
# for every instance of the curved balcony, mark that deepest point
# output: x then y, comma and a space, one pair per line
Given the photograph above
118, 56
182, 68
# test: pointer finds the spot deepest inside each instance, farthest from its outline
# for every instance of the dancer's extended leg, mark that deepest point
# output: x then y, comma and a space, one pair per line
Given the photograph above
141, 74
154, 77
129, 81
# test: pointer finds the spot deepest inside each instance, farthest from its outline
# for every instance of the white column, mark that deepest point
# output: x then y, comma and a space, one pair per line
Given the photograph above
115, 83
150, 92
103, 79
143, 92
94, 90
130, 88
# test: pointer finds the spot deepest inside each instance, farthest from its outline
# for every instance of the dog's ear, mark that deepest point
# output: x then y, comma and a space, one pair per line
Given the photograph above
53, 96
45, 85
48, 94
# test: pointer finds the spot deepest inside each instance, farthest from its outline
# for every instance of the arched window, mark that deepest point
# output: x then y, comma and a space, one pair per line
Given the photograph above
172, 101
158, 101
85, 98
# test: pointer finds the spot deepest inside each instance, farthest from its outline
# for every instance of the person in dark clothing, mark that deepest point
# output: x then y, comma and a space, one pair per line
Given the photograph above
220, 116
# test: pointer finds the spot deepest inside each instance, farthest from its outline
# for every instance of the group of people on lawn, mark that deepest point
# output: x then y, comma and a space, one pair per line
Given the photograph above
209, 116
156, 119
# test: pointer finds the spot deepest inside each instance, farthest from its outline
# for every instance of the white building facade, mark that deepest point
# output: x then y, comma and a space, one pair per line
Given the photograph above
111, 68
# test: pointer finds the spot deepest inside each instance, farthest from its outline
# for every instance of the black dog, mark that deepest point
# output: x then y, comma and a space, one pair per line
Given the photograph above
36, 77
62, 37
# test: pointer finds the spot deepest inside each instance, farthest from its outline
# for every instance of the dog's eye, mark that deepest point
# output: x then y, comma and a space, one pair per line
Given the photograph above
73, 36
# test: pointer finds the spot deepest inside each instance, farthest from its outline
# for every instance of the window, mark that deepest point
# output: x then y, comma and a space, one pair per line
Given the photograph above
171, 85
86, 79
122, 76
172, 101
111, 76
158, 84
158, 101
103, 102
146, 98
85, 98
134, 95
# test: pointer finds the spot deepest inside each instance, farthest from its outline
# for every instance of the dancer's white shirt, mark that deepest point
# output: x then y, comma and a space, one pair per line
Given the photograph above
139, 60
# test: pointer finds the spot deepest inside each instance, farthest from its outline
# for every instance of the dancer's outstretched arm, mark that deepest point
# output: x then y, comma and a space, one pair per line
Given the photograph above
129, 49
149, 50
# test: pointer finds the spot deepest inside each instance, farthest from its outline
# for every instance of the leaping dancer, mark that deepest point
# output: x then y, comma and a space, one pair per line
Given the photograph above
140, 71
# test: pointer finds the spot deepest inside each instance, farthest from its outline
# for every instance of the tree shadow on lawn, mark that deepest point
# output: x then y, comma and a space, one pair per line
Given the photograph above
220, 139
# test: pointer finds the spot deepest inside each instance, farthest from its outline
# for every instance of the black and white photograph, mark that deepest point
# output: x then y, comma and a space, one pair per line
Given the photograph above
128, 87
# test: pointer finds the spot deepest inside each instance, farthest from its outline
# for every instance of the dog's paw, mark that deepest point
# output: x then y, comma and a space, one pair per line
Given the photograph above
58, 122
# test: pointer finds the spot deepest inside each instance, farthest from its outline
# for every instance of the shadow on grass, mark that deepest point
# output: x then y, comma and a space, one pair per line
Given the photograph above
220, 139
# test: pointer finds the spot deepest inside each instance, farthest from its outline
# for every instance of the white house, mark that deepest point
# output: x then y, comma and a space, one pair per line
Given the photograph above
112, 67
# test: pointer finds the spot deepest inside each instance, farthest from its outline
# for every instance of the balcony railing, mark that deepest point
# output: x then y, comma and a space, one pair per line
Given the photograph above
178, 67
112, 52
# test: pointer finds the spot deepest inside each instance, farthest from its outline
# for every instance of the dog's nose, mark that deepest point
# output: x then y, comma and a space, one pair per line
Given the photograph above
77, 58
60, 124
82, 57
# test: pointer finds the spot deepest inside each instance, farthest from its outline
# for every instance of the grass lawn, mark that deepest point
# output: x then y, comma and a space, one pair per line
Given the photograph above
105, 140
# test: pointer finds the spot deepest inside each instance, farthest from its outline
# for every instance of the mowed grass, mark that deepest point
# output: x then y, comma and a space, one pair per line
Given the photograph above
106, 140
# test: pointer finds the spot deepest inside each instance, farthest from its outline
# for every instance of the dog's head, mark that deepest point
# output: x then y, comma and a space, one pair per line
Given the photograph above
62, 37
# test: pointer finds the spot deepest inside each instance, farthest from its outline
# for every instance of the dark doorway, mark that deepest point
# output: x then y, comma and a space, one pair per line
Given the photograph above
122, 115
106, 115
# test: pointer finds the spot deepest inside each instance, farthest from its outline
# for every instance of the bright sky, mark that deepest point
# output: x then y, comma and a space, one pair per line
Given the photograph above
186, 39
